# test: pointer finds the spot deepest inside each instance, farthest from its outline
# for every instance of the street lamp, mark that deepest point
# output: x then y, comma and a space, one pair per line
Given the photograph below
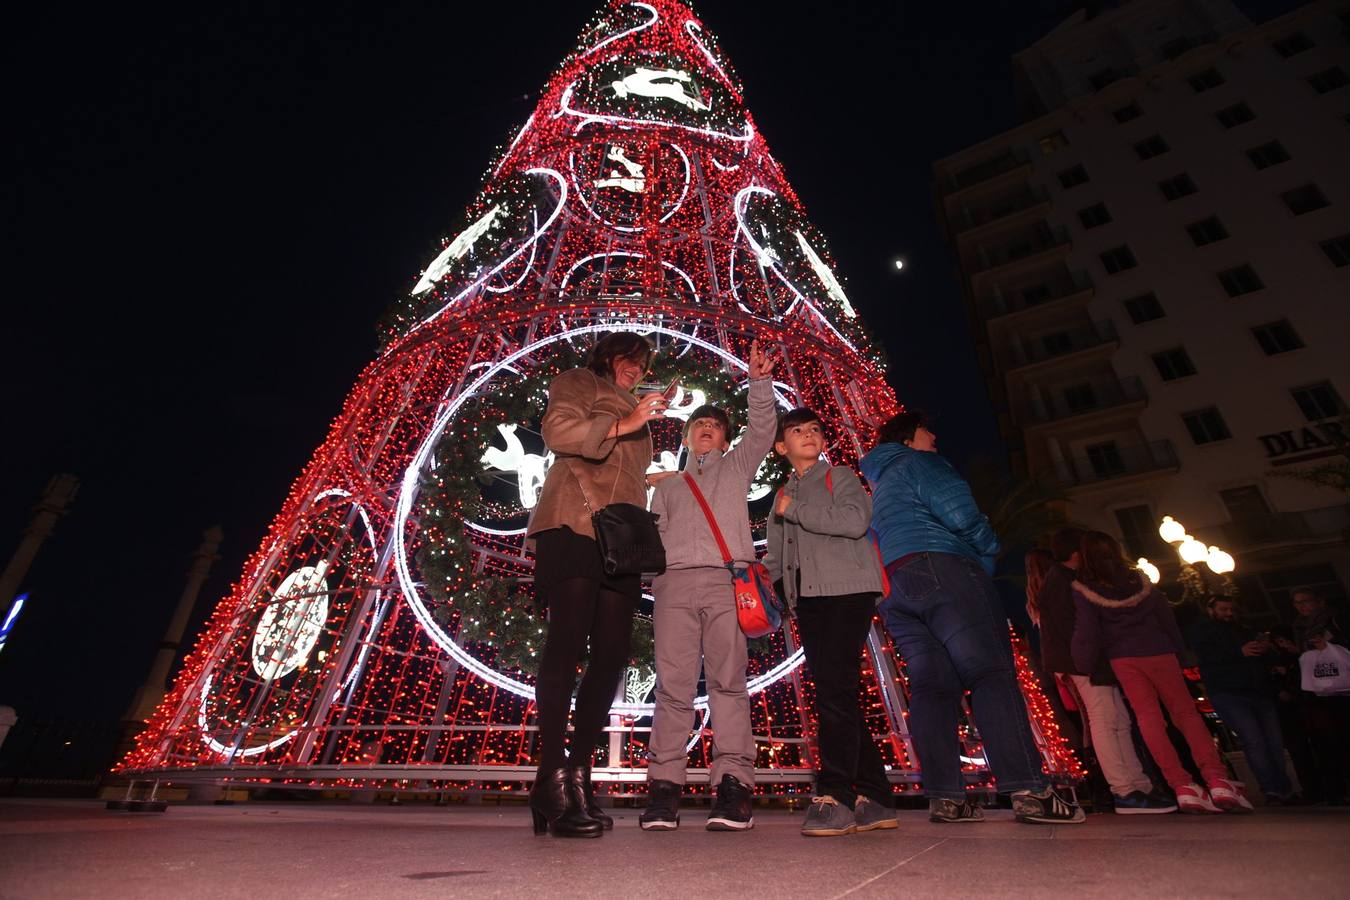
1149, 569
1171, 530
1219, 562
1192, 551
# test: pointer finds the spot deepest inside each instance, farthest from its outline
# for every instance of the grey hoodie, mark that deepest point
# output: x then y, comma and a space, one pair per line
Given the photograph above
725, 481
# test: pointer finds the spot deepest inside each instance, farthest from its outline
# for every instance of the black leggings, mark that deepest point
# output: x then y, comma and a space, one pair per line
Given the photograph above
580, 611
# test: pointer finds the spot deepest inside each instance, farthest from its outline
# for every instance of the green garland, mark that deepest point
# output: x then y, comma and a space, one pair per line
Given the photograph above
499, 612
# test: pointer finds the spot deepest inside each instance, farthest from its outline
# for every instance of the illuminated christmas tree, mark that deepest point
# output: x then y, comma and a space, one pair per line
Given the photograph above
385, 632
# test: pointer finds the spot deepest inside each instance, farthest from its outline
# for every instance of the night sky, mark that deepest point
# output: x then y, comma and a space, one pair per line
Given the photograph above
212, 205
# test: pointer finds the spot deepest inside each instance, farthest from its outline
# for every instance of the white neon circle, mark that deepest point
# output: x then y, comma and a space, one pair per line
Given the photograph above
553, 216
292, 622
360, 659
408, 491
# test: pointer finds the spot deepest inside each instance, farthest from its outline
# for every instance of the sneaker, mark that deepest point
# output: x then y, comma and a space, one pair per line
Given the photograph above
827, 817
731, 809
1137, 803
663, 807
1230, 796
1192, 798
871, 815
1046, 808
944, 811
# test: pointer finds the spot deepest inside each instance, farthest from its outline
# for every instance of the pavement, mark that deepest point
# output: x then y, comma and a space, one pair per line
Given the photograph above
300, 850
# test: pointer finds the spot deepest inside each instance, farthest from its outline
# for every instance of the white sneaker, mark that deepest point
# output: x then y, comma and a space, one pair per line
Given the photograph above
1230, 796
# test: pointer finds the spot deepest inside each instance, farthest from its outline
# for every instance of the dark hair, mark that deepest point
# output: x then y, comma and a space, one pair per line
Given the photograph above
799, 416
1039, 562
618, 345
1065, 542
1103, 565
708, 411
901, 427
1282, 630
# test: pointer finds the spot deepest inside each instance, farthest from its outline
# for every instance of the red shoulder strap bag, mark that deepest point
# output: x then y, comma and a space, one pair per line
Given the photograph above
758, 609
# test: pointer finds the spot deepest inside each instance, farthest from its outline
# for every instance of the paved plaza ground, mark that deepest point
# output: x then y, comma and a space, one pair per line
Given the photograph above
299, 850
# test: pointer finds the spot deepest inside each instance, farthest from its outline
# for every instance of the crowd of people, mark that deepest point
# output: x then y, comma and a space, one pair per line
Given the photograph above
917, 551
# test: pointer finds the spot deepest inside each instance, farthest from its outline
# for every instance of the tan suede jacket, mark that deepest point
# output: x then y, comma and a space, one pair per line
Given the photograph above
582, 408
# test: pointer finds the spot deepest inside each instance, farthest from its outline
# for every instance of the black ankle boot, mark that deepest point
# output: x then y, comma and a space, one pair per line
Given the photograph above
558, 805
592, 808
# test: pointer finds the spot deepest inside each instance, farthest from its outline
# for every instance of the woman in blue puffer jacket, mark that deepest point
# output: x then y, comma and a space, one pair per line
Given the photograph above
946, 619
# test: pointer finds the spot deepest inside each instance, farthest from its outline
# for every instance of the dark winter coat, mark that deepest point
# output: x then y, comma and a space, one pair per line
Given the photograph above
1218, 648
1133, 621
1057, 617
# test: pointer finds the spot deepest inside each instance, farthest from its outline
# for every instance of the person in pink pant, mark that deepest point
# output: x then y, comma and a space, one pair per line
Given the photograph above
1121, 617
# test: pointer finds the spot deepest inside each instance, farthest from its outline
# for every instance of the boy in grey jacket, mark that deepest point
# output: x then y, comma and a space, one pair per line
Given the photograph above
830, 573
694, 614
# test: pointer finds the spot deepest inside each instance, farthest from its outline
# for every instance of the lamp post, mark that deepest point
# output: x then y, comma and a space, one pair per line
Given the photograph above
1192, 553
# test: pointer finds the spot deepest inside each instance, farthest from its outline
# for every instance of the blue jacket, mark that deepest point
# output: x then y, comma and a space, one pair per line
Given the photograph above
920, 504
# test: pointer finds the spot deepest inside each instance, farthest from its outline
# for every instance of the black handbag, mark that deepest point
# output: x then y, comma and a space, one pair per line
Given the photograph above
629, 541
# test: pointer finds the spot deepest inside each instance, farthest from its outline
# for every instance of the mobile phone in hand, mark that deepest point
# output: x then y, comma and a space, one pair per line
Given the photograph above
671, 390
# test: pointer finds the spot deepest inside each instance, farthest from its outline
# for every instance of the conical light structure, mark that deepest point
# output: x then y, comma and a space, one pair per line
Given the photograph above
385, 630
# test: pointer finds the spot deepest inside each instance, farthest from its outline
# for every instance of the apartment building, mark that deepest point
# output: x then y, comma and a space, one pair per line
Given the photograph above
1156, 264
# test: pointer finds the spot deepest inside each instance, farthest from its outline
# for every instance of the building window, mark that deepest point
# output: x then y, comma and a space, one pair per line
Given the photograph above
1173, 364
1105, 459
1118, 259
1244, 503
1177, 46
1094, 215
1102, 78
1235, 115
1338, 250
1304, 199
1073, 177
1127, 113
1318, 401
1144, 308
1240, 280
1328, 80
1292, 45
1177, 186
1206, 231
1267, 155
1053, 141
1080, 397
1203, 81
1206, 426
1057, 344
1037, 293
1277, 337
1151, 147
1139, 531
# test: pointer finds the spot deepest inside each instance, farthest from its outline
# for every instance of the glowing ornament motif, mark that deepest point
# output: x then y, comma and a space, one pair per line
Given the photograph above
634, 182
660, 83
529, 468
832, 285
292, 623
636, 687
458, 249
685, 403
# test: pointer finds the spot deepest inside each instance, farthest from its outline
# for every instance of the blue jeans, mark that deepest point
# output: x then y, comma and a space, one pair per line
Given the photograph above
946, 619
1257, 724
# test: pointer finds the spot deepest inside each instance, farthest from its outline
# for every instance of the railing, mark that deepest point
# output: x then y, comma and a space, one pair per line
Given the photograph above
1062, 343
1103, 394
1007, 206
984, 171
1028, 245
1277, 528
1117, 462
1001, 303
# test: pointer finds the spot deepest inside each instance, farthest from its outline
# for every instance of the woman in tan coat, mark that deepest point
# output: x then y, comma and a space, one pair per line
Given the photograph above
597, 430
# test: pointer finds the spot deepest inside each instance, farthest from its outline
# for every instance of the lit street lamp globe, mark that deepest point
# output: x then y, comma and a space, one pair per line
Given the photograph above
1171, 530
1192, 551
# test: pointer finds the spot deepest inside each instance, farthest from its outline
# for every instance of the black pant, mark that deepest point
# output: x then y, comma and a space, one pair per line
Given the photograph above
581, 611
833, 632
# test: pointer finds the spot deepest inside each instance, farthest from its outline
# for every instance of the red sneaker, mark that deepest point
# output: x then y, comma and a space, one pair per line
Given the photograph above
1192, 798
1230, 796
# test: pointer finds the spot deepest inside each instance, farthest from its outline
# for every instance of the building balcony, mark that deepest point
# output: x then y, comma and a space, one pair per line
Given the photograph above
1062, 344
969, 220
1111, 463
985, 260
1006, 303
982, 173
1331, 523
1089, 398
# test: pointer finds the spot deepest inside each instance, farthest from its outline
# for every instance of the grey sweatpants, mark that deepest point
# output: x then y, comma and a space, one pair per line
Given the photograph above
694, 620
